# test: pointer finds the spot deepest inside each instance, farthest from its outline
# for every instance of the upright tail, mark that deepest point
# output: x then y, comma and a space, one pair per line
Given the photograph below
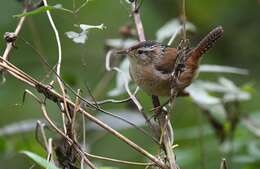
205, 44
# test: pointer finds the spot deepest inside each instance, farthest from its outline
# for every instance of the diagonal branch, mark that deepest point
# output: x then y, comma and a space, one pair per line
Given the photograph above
54, 96
10, 46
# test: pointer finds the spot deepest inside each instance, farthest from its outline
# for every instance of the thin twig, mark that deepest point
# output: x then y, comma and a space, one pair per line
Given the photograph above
166, 135
117, 160
58, 68
138, 22
173, 37
84, 137
33, 95
16, 73
40, 125
92, 96
86, 160
107, 101
53, 125
223, 164
183, 20
69, 140
73, 118
49, 149
81, 6
10, 45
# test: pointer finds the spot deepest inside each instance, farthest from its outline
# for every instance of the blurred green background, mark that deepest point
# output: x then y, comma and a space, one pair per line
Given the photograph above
84, 65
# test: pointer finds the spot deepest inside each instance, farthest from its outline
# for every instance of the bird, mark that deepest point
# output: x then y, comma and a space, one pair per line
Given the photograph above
159, 69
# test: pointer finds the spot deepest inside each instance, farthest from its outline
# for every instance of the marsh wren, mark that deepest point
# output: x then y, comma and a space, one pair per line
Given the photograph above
153, 65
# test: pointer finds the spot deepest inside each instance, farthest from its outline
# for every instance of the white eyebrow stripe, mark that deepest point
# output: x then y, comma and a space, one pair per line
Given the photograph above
147, 49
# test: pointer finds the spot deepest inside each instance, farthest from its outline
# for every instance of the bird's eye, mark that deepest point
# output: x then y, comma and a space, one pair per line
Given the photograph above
140, 52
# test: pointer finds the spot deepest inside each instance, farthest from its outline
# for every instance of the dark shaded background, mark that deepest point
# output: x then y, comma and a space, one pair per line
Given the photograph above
84, 64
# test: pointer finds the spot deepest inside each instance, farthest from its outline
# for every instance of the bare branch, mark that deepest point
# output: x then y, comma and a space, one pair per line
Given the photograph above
138, 22
223, 164
183, 20
49, 157
117, 160
10, 46
59, 59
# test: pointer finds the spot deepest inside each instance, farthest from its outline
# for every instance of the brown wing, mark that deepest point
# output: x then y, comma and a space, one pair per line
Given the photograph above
166, 64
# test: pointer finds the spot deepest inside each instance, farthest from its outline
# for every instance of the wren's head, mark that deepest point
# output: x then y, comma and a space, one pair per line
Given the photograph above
144, 53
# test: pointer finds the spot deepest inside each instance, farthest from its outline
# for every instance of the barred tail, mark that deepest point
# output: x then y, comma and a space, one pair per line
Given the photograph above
206, 43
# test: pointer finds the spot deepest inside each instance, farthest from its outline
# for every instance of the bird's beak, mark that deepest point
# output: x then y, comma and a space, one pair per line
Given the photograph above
122, 52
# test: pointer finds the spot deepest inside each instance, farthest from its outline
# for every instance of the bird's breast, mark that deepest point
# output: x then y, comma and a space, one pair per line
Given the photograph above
146, 77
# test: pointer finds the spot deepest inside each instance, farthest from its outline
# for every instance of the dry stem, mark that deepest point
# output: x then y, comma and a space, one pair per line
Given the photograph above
57, 98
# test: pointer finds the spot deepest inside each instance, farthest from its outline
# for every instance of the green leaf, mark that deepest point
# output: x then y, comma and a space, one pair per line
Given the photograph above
249, 87
39, 160
42, 9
